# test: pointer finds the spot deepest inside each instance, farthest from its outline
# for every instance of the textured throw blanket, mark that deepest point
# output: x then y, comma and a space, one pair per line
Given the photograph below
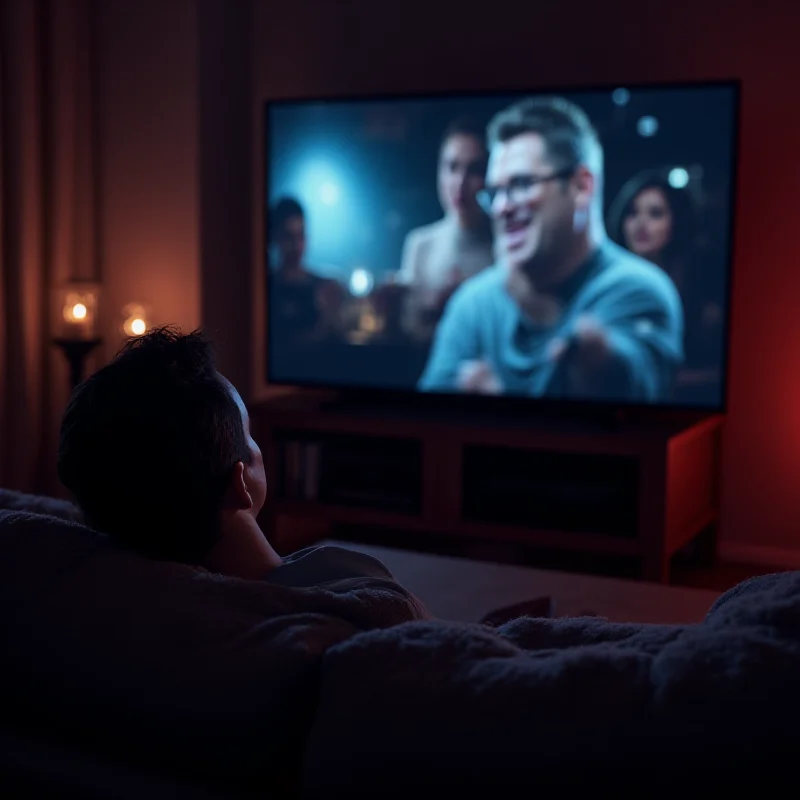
565, 703
240, 684
38, 504
167, 665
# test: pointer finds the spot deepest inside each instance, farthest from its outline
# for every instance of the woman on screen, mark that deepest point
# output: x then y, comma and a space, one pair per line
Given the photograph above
657, 221
437, 258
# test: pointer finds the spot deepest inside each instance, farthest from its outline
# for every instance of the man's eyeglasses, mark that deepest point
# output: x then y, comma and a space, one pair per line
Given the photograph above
519, 188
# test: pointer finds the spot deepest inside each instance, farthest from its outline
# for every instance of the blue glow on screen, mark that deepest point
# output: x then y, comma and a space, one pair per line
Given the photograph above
335, 182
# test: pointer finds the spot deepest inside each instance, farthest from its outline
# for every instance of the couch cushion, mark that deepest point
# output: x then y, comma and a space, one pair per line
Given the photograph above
563, 703
168, 665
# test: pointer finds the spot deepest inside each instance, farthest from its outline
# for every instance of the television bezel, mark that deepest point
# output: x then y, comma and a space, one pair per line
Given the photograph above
499, 403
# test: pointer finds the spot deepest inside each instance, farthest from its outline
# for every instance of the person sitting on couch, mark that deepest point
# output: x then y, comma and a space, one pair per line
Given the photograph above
156, 450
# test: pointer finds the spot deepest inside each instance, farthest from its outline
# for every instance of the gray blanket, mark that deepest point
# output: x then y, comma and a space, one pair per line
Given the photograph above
563, 703
240, 683
165, 665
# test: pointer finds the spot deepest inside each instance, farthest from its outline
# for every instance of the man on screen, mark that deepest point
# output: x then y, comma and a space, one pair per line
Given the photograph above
438, 257
565, 312
304, 305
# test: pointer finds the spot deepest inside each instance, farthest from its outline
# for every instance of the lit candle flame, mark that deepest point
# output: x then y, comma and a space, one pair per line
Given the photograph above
79, 311
136, 322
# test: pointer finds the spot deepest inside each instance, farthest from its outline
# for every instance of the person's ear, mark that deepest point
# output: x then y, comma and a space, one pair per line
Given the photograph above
237, 495
584, 184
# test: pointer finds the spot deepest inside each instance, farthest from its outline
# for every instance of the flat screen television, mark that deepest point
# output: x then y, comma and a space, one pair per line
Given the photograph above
569, 246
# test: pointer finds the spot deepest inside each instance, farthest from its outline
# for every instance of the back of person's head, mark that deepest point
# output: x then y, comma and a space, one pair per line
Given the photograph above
569, 136
149, 442
285, 209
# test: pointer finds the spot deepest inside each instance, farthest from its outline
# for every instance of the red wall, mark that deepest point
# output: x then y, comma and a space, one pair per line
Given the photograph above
154, 178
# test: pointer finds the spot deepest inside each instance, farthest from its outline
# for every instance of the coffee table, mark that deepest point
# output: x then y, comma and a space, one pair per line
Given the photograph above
464, 590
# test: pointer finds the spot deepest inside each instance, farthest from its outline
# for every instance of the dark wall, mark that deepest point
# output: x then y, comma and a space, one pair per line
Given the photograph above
226, 177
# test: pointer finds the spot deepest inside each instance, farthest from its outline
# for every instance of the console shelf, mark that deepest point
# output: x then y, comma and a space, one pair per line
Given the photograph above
641, 489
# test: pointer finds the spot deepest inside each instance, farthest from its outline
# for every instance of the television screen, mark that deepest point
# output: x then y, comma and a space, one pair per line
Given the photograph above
569, 245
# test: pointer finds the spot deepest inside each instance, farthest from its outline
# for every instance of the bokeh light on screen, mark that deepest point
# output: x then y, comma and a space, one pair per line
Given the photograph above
361, 282
320, 181
647, 126
329, 193
326, 179
79, 311
620, 97
678, 178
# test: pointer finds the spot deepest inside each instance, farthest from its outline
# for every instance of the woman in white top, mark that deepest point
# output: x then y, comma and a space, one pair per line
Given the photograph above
437, 258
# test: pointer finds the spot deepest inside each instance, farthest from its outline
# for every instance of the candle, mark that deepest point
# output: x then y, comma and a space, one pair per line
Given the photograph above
136, 321
76, 312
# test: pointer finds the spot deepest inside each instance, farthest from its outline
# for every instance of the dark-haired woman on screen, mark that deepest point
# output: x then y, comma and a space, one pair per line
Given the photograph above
437, 258
658, 222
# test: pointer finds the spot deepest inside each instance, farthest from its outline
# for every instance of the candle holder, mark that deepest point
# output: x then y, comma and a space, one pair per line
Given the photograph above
75, 324
76, 352
75, 310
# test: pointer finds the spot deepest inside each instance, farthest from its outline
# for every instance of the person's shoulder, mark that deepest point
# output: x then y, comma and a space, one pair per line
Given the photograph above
325, 564
417, 242
487, 280
480, 289
622, 268
425, 233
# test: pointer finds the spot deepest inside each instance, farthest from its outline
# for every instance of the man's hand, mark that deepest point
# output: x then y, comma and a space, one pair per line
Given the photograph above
587, 353
478, 377
592, 348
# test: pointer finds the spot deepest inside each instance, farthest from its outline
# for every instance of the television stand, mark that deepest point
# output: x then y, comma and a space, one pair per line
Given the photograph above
640, 489
467, 407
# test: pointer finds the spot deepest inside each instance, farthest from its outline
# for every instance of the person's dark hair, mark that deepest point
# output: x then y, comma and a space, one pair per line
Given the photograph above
464, 126
148, 444
681, 206
285, 209
570, 138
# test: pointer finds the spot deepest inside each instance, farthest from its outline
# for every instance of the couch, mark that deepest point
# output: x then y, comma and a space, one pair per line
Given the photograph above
122, 677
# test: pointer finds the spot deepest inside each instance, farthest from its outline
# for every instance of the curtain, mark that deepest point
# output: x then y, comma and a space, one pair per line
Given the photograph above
47, 218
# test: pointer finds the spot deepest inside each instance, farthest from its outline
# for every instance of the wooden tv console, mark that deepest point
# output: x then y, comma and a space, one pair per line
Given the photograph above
642, 490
